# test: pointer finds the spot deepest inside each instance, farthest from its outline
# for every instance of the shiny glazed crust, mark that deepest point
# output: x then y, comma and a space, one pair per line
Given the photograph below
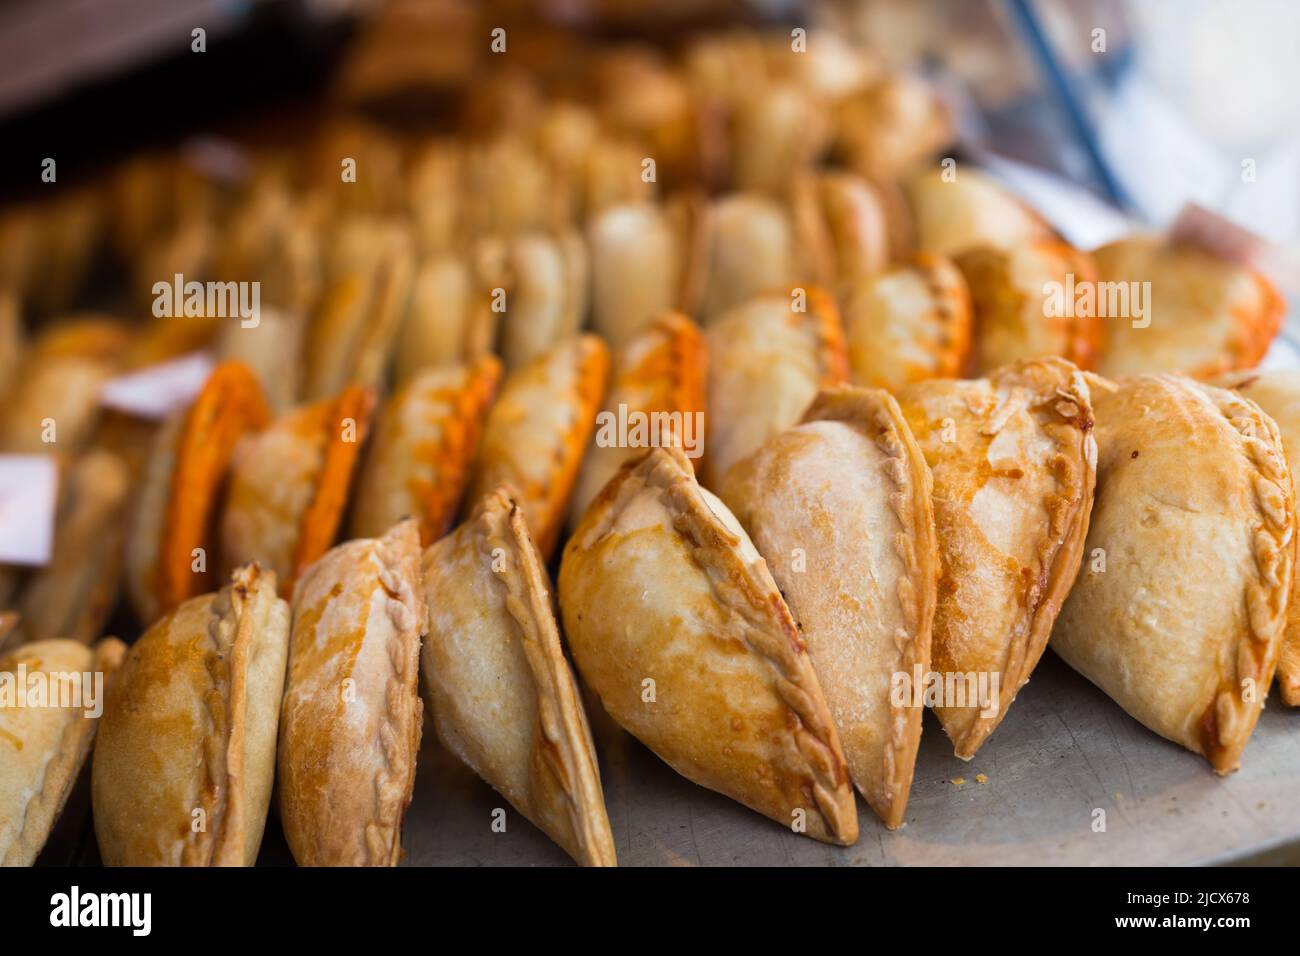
501, 693
676, 624
425, 442
289, 485
1195, 516
42, 749
1014, 464
195, 701
538, 429
846, 493
663, 369
350, 728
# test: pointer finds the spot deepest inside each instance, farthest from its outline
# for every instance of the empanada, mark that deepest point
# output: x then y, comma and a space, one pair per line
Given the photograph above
1277, 392
42, 748
1200, 314
751, 248
778, 130
289, 483
1014, 463
843, 228
839, 508
546, 299
273, 349
186, 752
908, 323
169, 548
501, 693
892, 124
1181, 606
350, 728
676, 624
450, 320
54, 405
658, 382
951, 215
636, 269
74, 594
768, 358
419, 461
538, 429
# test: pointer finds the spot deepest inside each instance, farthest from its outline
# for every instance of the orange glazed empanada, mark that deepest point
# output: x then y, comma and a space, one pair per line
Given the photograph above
425, 440
538, 429
659, 376
676, 624
289, 485
1014, 461
169, 549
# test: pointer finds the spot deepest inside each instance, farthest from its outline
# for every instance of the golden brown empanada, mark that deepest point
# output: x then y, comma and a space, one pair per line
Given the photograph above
839, 508
42, 748
425, 441
1182, 603
908, 323
768, 358
952, 215
1203, 315
778, 130
186, 752
538, 429
661, 372
676, 624
1277, 392
1017, 317
350, 728
1014, 461
169, 548
289, 483
501, 693
54, 404
74, 594
890, 125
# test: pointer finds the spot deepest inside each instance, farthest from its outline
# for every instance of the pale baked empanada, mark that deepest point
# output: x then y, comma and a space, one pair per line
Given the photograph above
419, 461
350, 728
778, 130
768, 358
546, 298
273, 349
839, 508
658, 384
450, 320
676, 624
1014, 461
1203, 315
952, 215
170, 542
289, 483
1181, 605
73, 595
186, 752
908, 323
42, 748
54, 404
637, 259
890, 125
1277, 392
501, 693
1018, 316
843, 228
538, 429
751, 248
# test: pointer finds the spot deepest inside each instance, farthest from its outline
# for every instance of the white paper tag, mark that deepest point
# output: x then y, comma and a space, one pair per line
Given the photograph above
29, 490
157, 391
